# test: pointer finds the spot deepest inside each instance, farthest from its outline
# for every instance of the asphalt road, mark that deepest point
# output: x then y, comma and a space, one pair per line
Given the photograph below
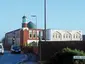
9, 58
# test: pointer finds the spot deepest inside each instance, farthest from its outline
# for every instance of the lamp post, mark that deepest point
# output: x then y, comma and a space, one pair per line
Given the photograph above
34, 16
44, 28
45, 19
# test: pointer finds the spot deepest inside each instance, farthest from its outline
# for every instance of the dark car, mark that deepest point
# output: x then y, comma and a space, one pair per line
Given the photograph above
15, 49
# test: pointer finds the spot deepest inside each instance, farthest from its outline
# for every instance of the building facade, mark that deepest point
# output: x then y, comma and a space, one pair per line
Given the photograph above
24, 36
63, 35
29, 35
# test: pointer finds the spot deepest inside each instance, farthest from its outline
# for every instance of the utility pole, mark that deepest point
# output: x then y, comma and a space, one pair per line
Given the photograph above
44, 29
45, 18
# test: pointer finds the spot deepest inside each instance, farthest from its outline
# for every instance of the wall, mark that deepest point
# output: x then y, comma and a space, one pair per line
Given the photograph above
51, 35
50, 47
9, 37
83, 36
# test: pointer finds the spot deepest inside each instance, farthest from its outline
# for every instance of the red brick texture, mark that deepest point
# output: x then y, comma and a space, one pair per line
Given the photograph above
24, 37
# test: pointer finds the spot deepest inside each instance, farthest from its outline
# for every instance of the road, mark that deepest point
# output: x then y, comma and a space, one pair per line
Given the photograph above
9, 58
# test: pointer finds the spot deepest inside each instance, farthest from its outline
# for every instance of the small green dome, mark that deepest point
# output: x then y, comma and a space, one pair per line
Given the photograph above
24, 17
31, 25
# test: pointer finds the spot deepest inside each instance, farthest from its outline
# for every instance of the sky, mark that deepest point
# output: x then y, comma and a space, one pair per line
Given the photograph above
61, 14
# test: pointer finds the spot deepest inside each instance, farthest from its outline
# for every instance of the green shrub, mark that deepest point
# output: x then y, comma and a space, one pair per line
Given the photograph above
65, 56
75, 51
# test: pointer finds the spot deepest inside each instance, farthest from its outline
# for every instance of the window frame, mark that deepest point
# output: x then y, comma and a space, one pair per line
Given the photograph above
30, 33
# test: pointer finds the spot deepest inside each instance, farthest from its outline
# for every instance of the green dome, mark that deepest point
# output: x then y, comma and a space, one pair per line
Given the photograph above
31, 25
24, 17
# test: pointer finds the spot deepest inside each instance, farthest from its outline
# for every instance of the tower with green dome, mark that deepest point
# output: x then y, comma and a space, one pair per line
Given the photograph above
24, 21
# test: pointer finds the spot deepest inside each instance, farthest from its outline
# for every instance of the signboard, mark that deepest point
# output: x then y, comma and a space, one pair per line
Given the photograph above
78, 57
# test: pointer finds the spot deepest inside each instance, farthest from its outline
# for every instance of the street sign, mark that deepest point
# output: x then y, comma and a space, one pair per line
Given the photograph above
78, 57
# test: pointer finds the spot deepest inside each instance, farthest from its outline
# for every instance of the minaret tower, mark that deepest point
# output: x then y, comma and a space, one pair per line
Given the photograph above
24, 22
24, 31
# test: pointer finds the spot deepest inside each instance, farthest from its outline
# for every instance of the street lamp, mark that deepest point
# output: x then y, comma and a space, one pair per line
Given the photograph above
35, 19
45, 19
44, 27
36, 24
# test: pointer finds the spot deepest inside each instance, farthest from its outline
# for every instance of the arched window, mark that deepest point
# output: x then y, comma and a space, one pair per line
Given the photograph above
77, 35
74, 36
64, 36
56, 35
59, 36
30, 33
67, 35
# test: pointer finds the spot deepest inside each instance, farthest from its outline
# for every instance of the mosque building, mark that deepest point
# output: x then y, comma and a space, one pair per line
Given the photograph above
23, 36
30, 34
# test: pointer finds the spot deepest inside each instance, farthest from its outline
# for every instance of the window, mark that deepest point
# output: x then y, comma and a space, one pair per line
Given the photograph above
37, 33
67, 36
63, 36
56, 36
34, 35
73, 36
59, 36
30, 33
76, 36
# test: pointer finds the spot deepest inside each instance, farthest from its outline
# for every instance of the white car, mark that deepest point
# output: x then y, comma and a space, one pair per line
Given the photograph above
1, 48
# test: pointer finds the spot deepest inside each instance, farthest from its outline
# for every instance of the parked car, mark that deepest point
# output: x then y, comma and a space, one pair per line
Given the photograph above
15, 49
1, 48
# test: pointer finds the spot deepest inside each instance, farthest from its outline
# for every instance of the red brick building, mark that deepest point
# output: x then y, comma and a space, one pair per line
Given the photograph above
23, 36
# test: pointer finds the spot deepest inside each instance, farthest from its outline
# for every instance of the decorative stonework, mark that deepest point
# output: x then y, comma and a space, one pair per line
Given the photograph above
25, 28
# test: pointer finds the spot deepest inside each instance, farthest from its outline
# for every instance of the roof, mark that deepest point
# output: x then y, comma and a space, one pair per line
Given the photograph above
13, 31
31, 25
